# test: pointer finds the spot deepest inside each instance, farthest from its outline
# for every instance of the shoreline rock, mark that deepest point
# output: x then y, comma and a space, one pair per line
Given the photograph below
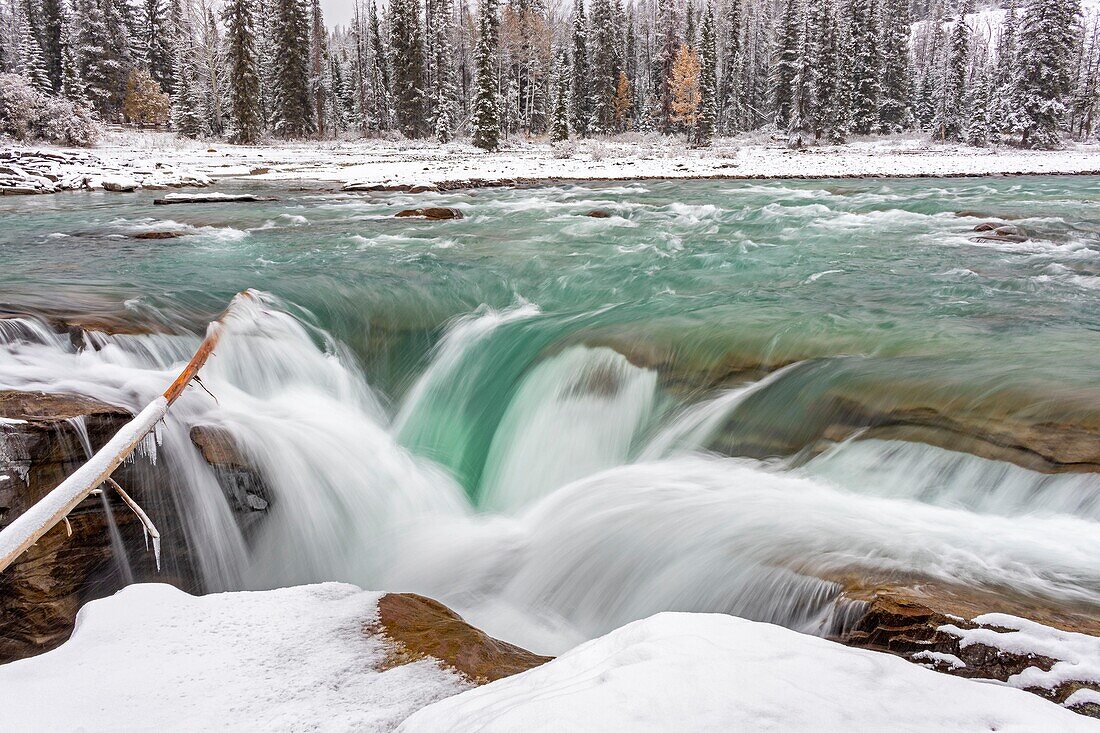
434, 213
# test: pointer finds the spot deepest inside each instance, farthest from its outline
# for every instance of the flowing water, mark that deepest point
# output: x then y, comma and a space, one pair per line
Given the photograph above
557, 423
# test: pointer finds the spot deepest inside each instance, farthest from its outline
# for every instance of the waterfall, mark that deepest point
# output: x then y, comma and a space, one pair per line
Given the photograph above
515, 482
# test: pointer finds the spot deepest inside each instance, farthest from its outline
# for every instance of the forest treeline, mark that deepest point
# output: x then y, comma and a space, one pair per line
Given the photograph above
816, 70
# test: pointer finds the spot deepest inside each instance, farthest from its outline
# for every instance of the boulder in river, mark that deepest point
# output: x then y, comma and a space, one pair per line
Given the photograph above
431, 212
157, 235
120, 184
598, 214
238, 476
419, 628
211, 198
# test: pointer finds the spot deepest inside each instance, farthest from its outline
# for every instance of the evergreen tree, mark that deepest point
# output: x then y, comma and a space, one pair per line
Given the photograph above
730, 96
800, 123
1048, 37
158, 42
94, 56
895, 104
293, 109
829, 115
559, 127
866, 76
319, 79
1006, 92
603, 75
32, 66
788, 48
708, 81
670, 50
579, 98
486, 113
446, 88
72, 85
978, 124
52, 23
246, 121
381, 80
407, 44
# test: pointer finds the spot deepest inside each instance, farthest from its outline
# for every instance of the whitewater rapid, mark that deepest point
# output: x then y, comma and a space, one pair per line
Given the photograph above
586, 501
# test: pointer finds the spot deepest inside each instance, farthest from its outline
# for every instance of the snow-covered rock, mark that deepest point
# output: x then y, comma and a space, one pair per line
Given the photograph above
152, 657
709, 672
119, 183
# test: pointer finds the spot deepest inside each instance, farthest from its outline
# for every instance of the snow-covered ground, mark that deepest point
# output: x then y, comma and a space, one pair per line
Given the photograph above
627, 156
154, 658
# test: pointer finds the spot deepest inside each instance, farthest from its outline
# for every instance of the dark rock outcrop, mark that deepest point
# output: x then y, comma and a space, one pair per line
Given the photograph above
238, 476
156, 235
418, 628
599, 214
211, 198
915, 621
436, 213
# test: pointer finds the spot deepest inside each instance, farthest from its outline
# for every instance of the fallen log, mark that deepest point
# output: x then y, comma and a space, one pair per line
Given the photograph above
39, 519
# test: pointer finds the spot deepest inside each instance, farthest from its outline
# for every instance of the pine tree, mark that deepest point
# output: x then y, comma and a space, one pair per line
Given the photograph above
788, 61
32, 66
895, 104
293, 110
52, 23
803, 87
866, 76
603, 73
670, 49
158, 42
684, 85
246, 121
319, 79
624, 102
579, 98
486, 113
1047, 41
730, 96
1086, 93
94, 57
978, 127
72, 84
708, 81
407, 43
829, 115
1007, 95
446, 89
559, 127
381, 80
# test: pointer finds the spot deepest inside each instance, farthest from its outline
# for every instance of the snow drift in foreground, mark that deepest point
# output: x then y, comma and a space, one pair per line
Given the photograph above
709, 672
152, 657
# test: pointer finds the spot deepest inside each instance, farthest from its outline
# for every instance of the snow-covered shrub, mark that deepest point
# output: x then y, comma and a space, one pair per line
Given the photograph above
598, 151
564, 150
26, 114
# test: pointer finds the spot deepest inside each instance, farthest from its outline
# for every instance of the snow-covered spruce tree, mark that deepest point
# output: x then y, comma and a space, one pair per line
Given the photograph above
319, 79
51, 22
866, 67
730, 97
895, 103
32, 66
788, 49
245, 119
159, 40
559, 125
978, 122
578, 82
407, 44
603, 73
445, 96
72, 84
381, 85
95, 59
670, 48
486, 112
293, 113
1006, 95
828, 117
187, 103
1086, 92
708, 80
119, 24
1048, 37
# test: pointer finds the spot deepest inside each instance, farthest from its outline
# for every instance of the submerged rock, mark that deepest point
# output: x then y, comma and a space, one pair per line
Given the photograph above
419, 628
432, 212
598, 214
157, 235
211, 198
240, 479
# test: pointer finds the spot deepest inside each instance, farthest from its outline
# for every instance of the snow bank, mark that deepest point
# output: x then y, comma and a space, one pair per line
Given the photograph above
152, 657
709, 672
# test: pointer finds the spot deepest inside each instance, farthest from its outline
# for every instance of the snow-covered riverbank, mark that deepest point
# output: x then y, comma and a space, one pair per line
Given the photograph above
402, 163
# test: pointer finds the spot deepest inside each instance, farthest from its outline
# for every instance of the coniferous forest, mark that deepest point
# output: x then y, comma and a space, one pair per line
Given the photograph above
810, 70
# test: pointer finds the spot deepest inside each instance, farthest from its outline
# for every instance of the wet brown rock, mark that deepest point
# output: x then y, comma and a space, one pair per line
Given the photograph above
431, 212
242, 483
157, 235
418, 628
598, 214
259, 171
908, 619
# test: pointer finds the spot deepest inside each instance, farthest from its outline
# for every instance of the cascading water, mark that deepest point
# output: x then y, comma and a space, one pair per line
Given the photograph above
551, 474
